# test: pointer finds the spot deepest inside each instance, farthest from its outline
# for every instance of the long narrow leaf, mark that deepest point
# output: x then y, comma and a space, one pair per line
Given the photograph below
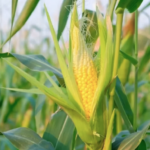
133, 140
25, 14
69, 79
60, 131
124, 100
33, 62
130, 58
26, 139
14, 7
123, 113
60, 99
66, 7
33, 91
107, 145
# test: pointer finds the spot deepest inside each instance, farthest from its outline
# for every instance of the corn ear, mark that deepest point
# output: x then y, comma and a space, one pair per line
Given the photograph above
84, 70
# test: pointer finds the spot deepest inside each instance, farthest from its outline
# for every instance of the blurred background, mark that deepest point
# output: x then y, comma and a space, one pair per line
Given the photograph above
36, 28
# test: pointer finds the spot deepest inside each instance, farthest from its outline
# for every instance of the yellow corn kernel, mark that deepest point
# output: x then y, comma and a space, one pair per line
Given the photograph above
84, 71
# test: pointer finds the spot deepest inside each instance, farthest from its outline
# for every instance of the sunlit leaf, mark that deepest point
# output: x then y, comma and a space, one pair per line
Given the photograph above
145, 60
23, 17
14, 7
61, 99
33, 91
67, 74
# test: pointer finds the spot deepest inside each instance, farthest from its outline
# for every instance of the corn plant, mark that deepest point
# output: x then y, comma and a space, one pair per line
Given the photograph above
87, 87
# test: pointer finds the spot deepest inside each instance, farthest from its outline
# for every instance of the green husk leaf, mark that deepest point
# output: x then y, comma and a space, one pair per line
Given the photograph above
74, 22
99, 103
68, 77
91, 26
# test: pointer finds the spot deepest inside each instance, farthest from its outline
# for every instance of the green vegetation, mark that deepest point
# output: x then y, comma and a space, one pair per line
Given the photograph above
88, 99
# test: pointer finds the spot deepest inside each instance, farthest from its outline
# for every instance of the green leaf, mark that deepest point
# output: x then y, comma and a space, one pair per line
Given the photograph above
123, 101
66, 7
25, 14
32, 91
145, 60
133, 140
102, 34
131, 5
123, 135
107, 144
26, 139
142, 146
123, 113
105, 62
59, 98
67, 74
33, 62
5, 143
14, 6
119, 138
80, 145
5, 103
60, 131
130, 58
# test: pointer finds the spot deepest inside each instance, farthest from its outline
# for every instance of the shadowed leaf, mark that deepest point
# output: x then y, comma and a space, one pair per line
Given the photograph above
131, 5
130, 58
60, 131
34, 62
133, 140
26, 139
66, 7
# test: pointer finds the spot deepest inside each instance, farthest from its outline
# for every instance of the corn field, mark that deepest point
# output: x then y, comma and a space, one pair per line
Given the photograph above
85, 89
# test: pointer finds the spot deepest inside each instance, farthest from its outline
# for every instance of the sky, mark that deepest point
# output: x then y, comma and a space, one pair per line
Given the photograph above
39, 20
